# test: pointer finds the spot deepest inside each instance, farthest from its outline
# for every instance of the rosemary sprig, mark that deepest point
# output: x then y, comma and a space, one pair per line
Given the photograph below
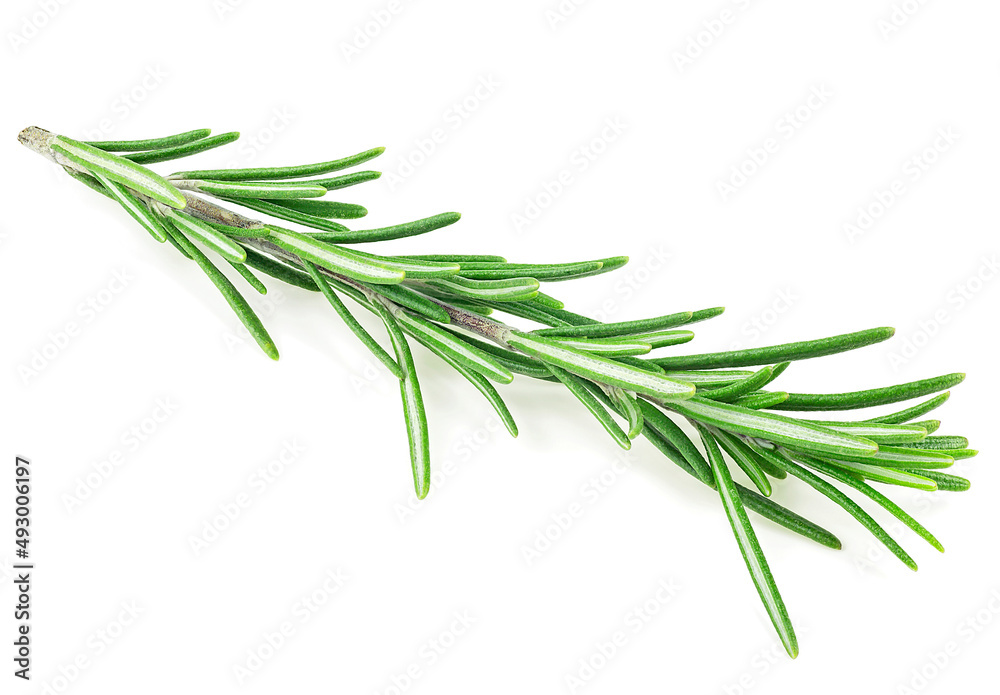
447, 303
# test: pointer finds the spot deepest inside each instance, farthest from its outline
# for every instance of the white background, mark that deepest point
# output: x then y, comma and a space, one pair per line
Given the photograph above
774, 251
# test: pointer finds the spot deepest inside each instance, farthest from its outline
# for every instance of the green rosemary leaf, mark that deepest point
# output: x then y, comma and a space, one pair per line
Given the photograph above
151, 144
285, 213
233, 297
550, 272
206, 234
334, 258
899, 457
576, 387
753, 556
930, 426
740, 388
841, 499
629, 409
664, 339
870, 492
870, 397
279, 270
776, 428
513, 290
185, 150
461, 351
776, 371
547, 300
414, 301
606, 330
270, 190
761, 400
889, 476
251, 279
709, 378
778, 353
290, 172
414, 270
134, 207
642, 364
956, 454
515, 361
348, 318
945, 481
745, 458
326, 209
345, 180
660, 423
455, 258
477, 380
398, 231
608, 347
877, 432
940, 442
173, 242
119, 170
239, 232
90, 181
705, 315
913, 412
600, 369
769, 509
413, 405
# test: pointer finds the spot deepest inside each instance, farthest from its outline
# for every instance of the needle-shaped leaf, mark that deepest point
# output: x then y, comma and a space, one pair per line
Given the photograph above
343, 181
271, 190
878, 432
753, 556
206, 234
761, 400
577, 388
606, 330
453, 257
600, 369
413, 405
900, 457
152, 143
547, 301
733, 391
776, 428
939, 442
929, 425
514, 290
248, 275
660, 423
870, 397
279, 270
889, 476
849, 505
769, 509
745, 458
474, 359
663, 339
778, 353
239, 305
540, 271
327, 209
289, 172
913, 412
119, 170
397, 231
334, 258
609, 347
629, 408
134, 207
414, 301
348, 318
945, 481
286, 213
414, 270
710, 379
870, 492
185, 150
